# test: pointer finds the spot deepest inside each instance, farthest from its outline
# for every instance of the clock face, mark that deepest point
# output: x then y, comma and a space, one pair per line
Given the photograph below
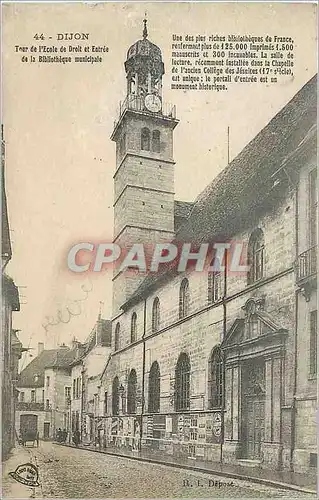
153, 103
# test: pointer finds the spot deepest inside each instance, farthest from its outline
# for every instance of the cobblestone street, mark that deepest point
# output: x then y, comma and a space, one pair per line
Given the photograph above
66, 472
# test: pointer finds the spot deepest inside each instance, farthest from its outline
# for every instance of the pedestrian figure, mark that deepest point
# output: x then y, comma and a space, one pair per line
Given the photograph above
59, 435
76, 437
20, 440
64, 435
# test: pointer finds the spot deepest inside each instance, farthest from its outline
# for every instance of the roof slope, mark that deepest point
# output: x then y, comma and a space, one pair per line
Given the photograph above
55, 358
244, 190
101, 335
182, 209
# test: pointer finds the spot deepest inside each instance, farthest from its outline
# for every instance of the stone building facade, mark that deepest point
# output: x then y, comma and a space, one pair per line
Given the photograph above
86, 369
43, 389
219, 366
11, 347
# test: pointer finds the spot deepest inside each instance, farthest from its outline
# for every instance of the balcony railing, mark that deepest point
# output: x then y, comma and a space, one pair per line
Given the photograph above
28, 406
306, 265
136, 103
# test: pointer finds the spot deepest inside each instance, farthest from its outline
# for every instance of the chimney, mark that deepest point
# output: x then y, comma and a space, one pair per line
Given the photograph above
40, 347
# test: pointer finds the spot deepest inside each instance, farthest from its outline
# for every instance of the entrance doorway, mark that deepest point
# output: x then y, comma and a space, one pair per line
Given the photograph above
253, 409
46, 430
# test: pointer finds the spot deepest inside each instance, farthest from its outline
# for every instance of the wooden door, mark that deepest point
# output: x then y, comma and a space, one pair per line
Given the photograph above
253, 427
46, 430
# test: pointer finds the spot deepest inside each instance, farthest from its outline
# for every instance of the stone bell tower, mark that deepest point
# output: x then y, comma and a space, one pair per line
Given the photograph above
144, 177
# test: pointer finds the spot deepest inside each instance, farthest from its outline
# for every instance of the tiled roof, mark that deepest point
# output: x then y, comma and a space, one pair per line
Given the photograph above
55, 358
101, 335
182, 209
245, 189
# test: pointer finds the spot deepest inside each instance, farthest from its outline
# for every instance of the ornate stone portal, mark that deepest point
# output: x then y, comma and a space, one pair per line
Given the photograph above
253, 352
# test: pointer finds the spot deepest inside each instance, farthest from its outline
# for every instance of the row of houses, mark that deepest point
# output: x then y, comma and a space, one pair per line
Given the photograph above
58, 388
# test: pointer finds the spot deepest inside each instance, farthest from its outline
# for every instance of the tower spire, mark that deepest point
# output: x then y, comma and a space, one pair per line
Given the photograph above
145, 34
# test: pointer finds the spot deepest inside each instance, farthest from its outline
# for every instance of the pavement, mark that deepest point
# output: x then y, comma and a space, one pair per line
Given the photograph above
70, 472
10, 487
305, 483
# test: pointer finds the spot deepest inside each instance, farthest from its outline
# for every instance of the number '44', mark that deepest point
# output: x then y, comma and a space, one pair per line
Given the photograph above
39, 37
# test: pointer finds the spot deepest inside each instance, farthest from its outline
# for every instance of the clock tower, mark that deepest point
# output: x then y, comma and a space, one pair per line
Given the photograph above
144, 177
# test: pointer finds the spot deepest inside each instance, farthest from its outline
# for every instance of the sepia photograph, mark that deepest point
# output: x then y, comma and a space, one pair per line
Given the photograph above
159, 250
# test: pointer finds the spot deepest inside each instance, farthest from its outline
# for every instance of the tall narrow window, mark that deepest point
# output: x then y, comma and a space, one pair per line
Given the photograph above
156, 315
117, 337
154, 389
313, 205
105, 403
214, 286
48, 381
184, 299
253, 326
115, 396
131, 392
215, 378
256, 249
74, 388
22, 397
145, 139
313, 344
182, 383
134, 327
77, 392
67, 395
32, 396
156, 141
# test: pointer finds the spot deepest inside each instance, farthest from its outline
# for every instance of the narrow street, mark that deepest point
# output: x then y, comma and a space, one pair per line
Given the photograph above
66, 472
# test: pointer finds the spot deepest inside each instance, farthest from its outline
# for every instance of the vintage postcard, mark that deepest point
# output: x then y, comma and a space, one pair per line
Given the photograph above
159, 250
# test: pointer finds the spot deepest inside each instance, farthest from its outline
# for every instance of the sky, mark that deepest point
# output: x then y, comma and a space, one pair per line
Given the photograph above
60, 160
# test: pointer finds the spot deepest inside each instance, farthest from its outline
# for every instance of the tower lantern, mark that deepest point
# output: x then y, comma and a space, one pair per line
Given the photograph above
144, 71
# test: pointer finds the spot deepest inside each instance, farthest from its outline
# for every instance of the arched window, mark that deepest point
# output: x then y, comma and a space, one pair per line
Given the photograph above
214, 286
156, 315
145, 139
117, 337
215, 281
156, 141
131, 392
115, 396
134, 327
154, 388
256, 249
184, 299
182, 383
215, 378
